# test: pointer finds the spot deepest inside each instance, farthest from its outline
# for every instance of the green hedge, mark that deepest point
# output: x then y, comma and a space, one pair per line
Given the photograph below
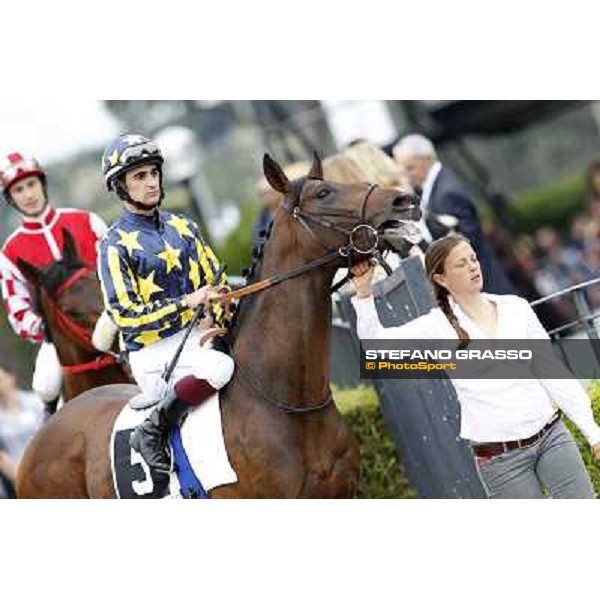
236, 250
552, 206
382, 475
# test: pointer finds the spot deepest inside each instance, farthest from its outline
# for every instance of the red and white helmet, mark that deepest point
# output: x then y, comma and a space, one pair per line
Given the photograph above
15, 167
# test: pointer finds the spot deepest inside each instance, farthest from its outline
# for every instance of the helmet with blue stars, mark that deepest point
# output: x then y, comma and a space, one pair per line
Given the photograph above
126, 152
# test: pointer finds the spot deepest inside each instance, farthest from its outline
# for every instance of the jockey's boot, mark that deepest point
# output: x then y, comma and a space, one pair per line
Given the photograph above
151, 438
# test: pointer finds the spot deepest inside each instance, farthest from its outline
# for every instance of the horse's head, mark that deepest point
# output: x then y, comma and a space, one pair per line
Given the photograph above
355, 217
67, 288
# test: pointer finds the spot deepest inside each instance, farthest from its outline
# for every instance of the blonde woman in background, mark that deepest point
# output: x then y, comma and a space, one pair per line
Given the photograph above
378, 167
343, 169
381, 169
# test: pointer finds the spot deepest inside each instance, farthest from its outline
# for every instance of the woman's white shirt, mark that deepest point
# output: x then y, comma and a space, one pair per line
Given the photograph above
493, 410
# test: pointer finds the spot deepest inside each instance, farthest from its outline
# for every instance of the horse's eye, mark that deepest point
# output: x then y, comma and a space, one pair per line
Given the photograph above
322, 193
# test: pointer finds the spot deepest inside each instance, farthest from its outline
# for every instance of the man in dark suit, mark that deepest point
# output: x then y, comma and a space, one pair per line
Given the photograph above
447, 206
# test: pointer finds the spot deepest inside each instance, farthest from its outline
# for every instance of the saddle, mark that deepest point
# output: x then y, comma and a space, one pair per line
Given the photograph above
200, 459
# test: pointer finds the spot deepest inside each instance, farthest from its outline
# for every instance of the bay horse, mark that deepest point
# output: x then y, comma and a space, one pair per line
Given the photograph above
284, 435
68, 296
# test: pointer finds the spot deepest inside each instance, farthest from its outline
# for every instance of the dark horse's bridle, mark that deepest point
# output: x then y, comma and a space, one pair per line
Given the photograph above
291, 206
76, 333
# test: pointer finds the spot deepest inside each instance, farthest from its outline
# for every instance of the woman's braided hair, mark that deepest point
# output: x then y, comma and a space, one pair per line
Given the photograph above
435, 258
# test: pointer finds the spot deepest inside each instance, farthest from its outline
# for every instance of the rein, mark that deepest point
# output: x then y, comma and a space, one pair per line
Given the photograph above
77, 333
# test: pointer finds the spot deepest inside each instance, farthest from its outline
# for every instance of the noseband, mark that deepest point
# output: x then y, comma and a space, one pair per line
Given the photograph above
352, 235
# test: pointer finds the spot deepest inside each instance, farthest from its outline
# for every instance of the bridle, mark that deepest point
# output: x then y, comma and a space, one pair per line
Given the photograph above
290, 205
77, 334
305, 218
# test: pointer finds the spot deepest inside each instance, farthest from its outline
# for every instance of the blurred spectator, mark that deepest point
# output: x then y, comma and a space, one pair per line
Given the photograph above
21, 414
554, 273
520, 263
578, 239
444, 194
593, 181
592, 214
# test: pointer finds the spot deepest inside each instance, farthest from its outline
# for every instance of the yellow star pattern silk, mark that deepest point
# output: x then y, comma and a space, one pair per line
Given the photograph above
186, 317
129, 241
147, 287
150, 337
181, 226
195, 277
171, 257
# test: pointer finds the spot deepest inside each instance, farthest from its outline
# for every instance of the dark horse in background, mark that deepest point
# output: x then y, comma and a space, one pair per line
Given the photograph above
284, 435
69, 299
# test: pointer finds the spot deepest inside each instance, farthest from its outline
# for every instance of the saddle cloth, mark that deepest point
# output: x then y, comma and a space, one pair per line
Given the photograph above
198, 448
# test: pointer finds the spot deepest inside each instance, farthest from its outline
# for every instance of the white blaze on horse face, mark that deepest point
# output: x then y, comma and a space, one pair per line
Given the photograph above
28, 195
143, 184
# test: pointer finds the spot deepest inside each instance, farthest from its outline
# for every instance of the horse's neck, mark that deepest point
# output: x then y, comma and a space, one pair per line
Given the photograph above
284, 338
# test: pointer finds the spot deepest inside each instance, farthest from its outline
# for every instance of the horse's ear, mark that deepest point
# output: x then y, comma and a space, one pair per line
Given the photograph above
33, 275
69, 249
275, 176
316, 171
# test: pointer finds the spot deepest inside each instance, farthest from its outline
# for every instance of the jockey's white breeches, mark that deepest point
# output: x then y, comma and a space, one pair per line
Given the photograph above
47, 375
148, 365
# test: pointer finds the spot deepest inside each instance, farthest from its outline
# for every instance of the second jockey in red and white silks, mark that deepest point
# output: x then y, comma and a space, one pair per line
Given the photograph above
39, 240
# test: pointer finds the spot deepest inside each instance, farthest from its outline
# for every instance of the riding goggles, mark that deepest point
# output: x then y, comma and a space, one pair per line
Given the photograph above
149, 149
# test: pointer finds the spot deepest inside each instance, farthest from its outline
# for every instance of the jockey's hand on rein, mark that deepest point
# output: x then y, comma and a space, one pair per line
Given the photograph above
201, 296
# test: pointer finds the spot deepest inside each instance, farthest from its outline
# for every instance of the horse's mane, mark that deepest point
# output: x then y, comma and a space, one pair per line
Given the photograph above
251, 275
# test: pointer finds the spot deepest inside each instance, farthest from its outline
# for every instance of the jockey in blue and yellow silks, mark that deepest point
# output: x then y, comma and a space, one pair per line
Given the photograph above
155, 270
148, 266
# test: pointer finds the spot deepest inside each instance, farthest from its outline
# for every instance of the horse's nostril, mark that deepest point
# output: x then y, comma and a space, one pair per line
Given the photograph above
401, 201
